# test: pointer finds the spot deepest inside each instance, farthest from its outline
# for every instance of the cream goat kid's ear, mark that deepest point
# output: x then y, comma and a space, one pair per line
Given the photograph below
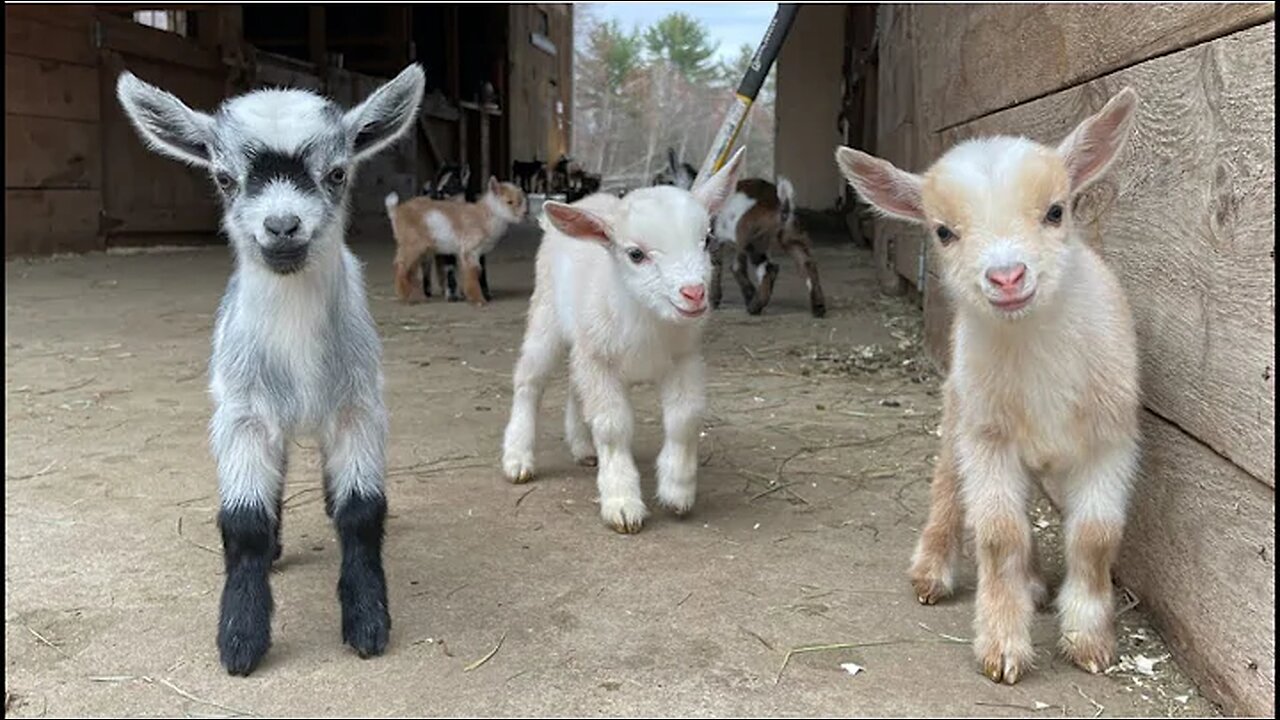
715, 190
1096, 142
494, 187
386, 114
888, 189
165, 123
577, 222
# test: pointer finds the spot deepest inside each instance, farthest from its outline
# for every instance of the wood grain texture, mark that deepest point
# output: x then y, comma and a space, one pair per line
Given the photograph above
976, 59
1199, 552
44, 153
46, 41
1187, 219
143, 192
42, 222
50, 88
65, 16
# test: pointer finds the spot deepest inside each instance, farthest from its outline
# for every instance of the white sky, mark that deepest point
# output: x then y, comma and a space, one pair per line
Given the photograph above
730, 23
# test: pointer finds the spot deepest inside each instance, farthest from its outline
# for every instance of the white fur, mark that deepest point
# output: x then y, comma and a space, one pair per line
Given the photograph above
620, 322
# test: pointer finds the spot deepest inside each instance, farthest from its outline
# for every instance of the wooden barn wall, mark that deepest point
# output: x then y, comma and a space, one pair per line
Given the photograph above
1187, 219
52, 131
538, 80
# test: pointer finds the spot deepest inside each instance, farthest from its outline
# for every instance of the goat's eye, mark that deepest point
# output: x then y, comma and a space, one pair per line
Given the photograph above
945, 235
224, 180
1054, 216
636, 255
337, 176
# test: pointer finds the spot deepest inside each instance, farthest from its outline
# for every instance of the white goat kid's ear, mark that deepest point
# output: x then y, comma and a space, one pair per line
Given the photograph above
1096, 142
577, 222
166, 124
382, 118
715, 190
890, 190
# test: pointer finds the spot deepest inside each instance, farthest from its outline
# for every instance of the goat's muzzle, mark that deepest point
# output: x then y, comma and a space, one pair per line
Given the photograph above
285, 258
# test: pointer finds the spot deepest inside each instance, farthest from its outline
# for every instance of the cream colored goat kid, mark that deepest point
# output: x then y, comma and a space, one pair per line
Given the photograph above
622, 285
424, 226
1043, 380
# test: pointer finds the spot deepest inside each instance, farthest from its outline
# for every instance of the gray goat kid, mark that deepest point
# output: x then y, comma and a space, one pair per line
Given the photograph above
295, 350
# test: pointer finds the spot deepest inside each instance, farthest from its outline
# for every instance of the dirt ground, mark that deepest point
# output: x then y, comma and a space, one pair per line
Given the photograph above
816, 460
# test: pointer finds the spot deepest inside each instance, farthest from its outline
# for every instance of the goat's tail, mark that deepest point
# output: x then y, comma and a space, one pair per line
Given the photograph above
786, 201
392, 201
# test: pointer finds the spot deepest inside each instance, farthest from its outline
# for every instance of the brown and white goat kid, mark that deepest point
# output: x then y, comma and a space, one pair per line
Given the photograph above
424, 227
757, 219
1043, 381
621, 284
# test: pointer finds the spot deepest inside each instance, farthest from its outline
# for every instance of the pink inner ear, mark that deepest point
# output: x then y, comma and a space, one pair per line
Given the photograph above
576, 223
883, 186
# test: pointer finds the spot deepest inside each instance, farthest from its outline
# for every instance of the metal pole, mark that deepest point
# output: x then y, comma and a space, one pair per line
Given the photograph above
748, 89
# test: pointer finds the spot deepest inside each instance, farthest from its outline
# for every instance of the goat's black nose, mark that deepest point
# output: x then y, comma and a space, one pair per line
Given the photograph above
282, 227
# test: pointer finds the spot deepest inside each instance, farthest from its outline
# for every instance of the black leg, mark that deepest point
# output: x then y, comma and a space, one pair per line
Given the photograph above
362, 587
451, 277
244, 627
484, 281
426, 278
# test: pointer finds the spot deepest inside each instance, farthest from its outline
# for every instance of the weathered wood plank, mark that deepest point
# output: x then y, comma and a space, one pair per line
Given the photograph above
44, 153
42, 222
66, 16
50, 88
144, 192
976, 59
42, 40
1199, 552
130, 38
1187, 219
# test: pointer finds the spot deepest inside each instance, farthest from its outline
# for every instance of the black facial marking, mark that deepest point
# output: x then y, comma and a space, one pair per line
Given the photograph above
268, 165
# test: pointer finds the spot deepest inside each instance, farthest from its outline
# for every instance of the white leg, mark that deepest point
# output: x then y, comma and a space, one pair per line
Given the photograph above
1096, 497
683, 401
576, 432
608, 413
994, 486
541, 350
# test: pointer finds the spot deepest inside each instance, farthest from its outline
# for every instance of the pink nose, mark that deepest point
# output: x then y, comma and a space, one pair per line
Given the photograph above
694, 293
1007, 277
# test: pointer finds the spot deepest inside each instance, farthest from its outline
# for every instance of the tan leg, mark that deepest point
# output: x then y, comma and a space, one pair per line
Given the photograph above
933, 564
469, 270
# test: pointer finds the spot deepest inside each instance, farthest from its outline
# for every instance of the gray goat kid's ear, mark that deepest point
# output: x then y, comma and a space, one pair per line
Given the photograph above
715, 190
1096, 142
165, 123
888, 189
386, 114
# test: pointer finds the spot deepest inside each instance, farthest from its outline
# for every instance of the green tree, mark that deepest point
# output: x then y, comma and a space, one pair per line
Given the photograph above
682, 41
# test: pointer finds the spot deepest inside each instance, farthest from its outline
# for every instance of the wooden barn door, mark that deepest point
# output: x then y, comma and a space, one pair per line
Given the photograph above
148, 199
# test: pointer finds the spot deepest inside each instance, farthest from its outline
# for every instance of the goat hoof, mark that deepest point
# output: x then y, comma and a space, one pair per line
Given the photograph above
1006, 662
754, 309
1091, 652
368, 635
588, 461
518, 467
929, 590
819, 311
241, 652
624, 515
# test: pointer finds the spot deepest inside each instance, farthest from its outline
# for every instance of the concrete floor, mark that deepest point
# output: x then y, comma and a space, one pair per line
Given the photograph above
112, 567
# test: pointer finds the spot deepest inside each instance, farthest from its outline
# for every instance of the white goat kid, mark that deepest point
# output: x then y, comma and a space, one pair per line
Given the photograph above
295, 349
1043, 380
621, 284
